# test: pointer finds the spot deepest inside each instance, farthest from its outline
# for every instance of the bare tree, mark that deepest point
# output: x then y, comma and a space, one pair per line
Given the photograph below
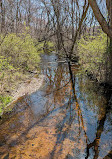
106, 27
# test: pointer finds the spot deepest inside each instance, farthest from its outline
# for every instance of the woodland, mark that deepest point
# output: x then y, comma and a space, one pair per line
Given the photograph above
78, 32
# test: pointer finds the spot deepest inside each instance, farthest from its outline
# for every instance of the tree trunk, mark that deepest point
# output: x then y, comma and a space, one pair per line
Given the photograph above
109, 73
110, 46
17, 19
2, 16
100, 18
29, 12
107, 28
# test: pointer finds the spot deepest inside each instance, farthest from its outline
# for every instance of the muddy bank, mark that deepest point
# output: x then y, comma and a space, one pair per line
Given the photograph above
25, 88
28, 87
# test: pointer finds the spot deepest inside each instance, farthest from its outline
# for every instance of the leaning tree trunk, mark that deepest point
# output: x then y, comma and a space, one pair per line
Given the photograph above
109, 73
109, 8
107, 28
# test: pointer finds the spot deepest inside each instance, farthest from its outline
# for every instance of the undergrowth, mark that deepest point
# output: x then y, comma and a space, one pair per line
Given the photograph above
4, 100
92, 53
19, 55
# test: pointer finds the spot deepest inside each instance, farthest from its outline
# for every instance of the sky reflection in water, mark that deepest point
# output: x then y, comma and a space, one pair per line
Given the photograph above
56, 122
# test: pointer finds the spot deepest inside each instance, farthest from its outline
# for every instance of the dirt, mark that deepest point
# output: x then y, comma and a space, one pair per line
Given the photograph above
27, 87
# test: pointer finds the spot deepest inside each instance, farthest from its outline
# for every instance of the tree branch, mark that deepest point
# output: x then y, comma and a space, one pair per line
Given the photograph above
100, 18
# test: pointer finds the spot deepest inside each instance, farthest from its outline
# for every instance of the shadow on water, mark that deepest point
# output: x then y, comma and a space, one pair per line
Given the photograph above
66, 118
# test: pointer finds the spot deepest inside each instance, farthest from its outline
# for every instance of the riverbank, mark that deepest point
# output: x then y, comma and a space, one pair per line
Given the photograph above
19, 62
28, 86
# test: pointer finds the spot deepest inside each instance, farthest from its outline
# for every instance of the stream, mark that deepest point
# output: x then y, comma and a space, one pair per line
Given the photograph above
59, 121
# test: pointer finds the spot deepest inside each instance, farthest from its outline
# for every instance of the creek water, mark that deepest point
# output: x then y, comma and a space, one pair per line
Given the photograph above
59, 121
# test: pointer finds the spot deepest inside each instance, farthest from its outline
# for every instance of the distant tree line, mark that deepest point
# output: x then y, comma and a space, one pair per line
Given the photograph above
62, 21
15, 14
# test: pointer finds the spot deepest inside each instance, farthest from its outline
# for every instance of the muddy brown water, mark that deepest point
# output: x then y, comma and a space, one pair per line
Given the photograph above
56, 122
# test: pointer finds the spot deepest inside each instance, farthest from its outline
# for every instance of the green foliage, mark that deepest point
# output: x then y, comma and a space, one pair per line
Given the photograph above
20, 51
45, 47
19, 54
91, 51
3, 102
4, 64
50, 47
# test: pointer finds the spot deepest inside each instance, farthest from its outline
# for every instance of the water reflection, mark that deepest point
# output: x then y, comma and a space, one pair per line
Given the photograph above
64, 119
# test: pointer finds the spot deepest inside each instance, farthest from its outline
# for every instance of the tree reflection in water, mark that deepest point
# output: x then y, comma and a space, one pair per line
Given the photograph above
63, 129
73, 106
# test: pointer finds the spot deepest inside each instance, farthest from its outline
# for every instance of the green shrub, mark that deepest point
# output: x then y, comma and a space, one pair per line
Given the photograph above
4, 64
19, 54
3, 102
20, 50
44, 47
92, 53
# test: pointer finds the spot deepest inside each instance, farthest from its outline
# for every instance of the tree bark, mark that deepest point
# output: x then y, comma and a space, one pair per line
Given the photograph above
109, 8
107, 28
17, 19
102, 21
2, 16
